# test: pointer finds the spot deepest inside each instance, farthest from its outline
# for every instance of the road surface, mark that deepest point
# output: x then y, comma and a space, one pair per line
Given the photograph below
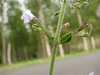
80, 65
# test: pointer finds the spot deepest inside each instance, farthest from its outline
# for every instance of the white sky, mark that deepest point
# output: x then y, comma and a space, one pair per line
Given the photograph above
22, 3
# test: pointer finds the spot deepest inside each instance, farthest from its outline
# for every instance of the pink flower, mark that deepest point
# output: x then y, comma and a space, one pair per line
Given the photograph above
92, 73
27, 16
66, 24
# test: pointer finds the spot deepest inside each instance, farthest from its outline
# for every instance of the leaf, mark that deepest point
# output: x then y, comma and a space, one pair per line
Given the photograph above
52, 38
87, 33
64, 1
84, 35
66, 38
56, 13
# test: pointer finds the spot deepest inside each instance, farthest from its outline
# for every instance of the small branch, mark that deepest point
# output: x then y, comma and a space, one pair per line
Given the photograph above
45, 31
79, 29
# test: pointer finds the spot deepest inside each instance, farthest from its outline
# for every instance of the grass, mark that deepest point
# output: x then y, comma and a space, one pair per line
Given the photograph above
42, 60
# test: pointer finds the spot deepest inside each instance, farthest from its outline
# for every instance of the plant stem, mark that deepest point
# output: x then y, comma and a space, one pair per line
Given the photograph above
46, 32
60, 21
57, 36
53, 58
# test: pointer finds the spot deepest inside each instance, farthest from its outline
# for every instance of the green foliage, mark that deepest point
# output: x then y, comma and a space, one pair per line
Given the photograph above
36, 27
83, 34
52, 39
79, 4
17, 27
89, 14
64, 1
18, 35
21, 36
66, 38
49, 13
56, 13
0, 44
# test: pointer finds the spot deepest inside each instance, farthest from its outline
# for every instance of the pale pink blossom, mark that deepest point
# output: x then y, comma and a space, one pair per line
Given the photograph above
66, 24
27, 16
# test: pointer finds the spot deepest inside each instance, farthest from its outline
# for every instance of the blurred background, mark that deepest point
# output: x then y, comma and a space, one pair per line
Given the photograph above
19, 41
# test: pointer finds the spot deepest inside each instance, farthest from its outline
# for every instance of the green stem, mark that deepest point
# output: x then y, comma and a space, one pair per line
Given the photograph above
57, 36
60, 21
53, 58
46, 33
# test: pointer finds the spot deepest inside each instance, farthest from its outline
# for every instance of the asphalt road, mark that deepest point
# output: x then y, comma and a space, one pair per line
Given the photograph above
81, 65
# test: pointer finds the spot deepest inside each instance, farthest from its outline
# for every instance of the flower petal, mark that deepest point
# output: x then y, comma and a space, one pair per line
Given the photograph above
27, 16
28, 12
22, 17
92, 73
26, 20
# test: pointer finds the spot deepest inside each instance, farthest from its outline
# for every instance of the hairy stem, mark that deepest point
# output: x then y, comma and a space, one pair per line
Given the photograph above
60, 21
53, 58
57, 36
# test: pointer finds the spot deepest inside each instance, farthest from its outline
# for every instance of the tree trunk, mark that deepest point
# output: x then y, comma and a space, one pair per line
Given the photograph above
39, 52
61, 50
3, 35
84, 38
19, 53
48, 49
9, 54
14, 57
46, 42
93, 43
25, 51
43, 44
85, 44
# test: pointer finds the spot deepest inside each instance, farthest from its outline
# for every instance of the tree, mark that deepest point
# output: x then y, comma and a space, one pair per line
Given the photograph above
84, 38
9, 54
46, 41
18, 32
40, 48
3, 34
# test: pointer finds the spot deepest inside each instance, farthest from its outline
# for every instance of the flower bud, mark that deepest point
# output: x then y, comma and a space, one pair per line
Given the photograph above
56, 13
66, 24
72, 7
86, 3
79, 7
50, 28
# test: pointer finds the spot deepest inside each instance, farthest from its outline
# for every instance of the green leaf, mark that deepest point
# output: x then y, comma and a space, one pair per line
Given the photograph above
52, 38
56, 13
66, 38
64, 1
84, 35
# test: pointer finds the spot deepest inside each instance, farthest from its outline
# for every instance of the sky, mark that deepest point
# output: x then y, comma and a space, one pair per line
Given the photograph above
22, 3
